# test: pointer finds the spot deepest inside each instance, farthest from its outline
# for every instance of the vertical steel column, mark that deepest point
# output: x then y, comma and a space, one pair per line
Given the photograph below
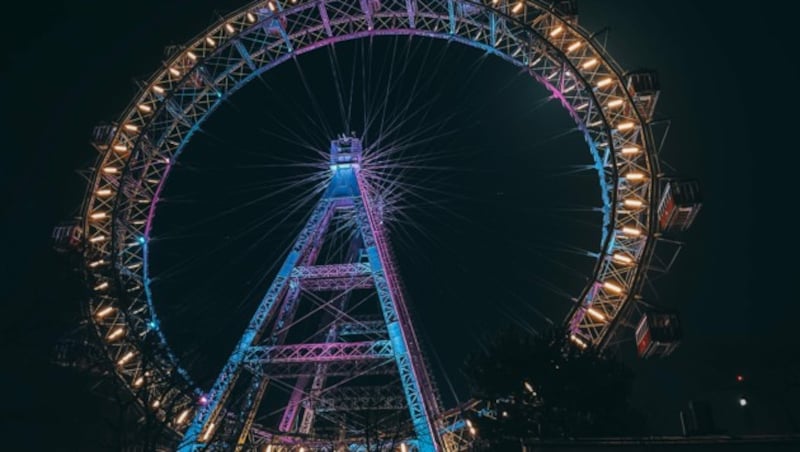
259, 386
316, 387
408, 356
290, 412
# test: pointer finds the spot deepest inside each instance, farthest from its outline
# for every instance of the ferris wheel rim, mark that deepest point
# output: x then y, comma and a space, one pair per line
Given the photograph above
501, 9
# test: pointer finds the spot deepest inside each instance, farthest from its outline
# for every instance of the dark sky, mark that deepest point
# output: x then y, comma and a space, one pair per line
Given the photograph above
726, 85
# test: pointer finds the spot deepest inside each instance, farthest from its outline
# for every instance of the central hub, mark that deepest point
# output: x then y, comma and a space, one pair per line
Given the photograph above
345, 152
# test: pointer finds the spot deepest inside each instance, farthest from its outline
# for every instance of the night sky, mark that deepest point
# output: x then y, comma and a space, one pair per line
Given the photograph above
487, 225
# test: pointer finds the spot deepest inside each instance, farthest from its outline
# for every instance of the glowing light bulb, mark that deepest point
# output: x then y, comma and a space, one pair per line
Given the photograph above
633, 232
605, 82
628, 125
578, 341
612, 287
116, 333
556, 31
633, 203
101, 286
182, 417
207, 434
104, 312
125, 358
590, 63
621, 258
597, 315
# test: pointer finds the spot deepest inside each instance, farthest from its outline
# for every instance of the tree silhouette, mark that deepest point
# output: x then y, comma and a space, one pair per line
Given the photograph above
543, 387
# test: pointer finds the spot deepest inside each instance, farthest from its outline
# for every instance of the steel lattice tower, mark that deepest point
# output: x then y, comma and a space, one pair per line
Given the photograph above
263, 353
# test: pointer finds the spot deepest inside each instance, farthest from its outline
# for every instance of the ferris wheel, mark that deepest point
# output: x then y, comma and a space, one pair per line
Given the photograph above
612, 109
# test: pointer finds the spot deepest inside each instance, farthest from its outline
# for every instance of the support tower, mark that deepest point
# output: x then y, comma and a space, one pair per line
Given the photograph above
351, 362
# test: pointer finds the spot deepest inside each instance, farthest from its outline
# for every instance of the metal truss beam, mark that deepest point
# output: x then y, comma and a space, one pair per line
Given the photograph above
335, 277
336, 284
353, 270
365, 328
319, 353
341, 368
362, 398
